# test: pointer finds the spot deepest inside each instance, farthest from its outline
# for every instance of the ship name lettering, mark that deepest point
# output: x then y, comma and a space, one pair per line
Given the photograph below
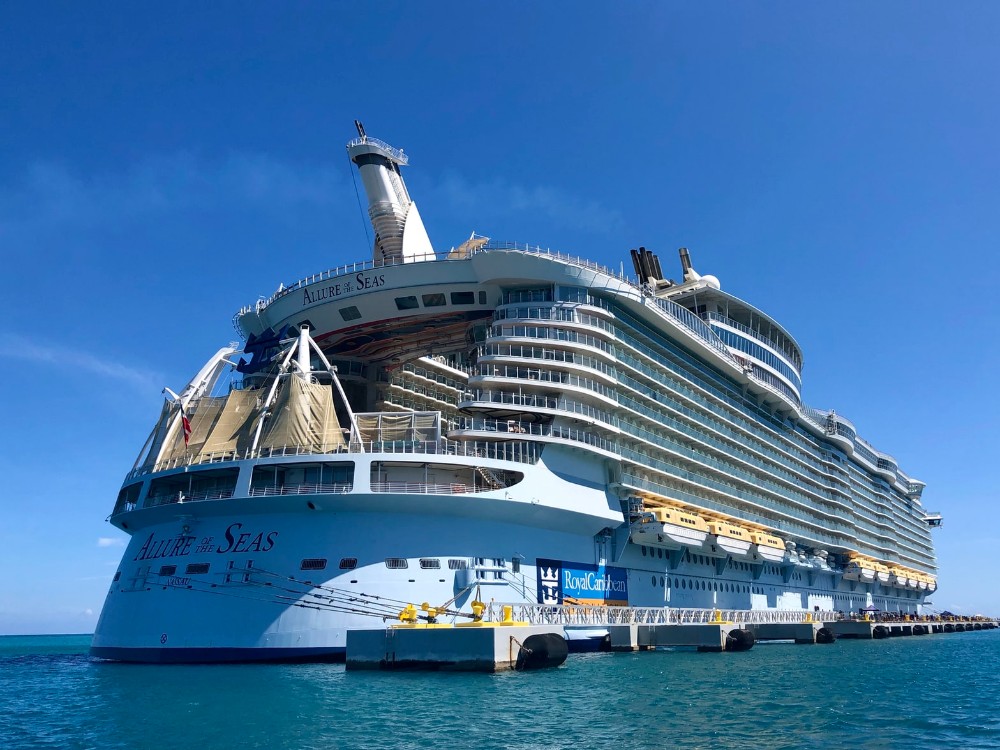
173, 547
591, 581
330, 291
247, 541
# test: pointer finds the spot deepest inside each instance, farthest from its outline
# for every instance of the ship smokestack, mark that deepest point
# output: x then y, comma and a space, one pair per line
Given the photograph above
689, 273
400, 236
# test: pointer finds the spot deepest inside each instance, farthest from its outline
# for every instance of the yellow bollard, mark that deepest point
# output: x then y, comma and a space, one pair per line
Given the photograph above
508, 614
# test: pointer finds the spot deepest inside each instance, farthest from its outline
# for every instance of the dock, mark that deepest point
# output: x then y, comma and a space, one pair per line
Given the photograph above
530, 636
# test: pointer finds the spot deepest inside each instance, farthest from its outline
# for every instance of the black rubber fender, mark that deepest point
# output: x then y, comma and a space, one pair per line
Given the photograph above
919, 630
541, 651
880, 632
949, 627
740, 640
825, 635
959, 628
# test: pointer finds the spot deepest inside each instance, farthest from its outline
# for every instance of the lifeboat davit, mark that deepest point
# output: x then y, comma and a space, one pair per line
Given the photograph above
898, 577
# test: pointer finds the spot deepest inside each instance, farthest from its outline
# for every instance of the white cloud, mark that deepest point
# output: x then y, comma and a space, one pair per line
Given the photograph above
49, 195
18, 347
110, 541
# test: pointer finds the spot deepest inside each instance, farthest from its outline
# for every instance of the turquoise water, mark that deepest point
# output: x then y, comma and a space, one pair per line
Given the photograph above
918, 692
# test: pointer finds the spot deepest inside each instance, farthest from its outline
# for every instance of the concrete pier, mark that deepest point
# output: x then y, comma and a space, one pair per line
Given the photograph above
800, 632
469, 649
705, 637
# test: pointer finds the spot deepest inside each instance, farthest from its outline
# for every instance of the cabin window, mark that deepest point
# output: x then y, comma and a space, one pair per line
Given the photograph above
197, 568
430, 563
463, 298
482, 298
457, 564
350, 313
396, 563
434, 300
168, 570
407, 303
348, 563
118, 575
313, 563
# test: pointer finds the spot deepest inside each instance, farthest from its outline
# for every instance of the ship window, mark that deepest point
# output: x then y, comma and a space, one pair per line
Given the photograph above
407, 303
463, 298
515, 565
168, 570
350, 313
348, 563
118, 575
457, 564
659, 553
482, 298
430, 563
434, 300
313, 563
197, 568
396, 563
661, 582
654, 580
643, 550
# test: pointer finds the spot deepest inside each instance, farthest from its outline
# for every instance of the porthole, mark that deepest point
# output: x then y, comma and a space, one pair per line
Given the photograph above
654, 580
407, 303
643, 550
350, 313
662, 584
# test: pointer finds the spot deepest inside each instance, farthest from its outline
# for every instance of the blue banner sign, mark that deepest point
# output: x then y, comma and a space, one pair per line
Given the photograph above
562, 582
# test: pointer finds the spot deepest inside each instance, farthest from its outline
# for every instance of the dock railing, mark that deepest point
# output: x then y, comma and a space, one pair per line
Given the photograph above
594, 615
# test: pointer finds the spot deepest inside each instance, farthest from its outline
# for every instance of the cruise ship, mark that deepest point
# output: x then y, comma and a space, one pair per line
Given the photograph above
495, 423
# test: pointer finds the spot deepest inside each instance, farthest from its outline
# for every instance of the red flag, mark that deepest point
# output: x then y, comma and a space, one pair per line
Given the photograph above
186, 424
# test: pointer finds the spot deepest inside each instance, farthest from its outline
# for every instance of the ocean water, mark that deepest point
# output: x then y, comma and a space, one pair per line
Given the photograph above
909, 693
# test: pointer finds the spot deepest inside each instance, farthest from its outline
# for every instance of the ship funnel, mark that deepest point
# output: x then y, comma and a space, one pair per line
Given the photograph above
689, 273
400, 236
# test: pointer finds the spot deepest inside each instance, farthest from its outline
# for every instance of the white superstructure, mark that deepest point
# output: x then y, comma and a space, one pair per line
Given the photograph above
495, 423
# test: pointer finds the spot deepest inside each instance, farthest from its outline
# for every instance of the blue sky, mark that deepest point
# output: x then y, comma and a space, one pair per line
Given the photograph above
835, 165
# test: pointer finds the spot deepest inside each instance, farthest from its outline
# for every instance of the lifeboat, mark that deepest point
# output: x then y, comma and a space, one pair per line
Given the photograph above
882, 574
921, 581
931, 584
671, 528
768, 547
860, 569
729, 538
898, 577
